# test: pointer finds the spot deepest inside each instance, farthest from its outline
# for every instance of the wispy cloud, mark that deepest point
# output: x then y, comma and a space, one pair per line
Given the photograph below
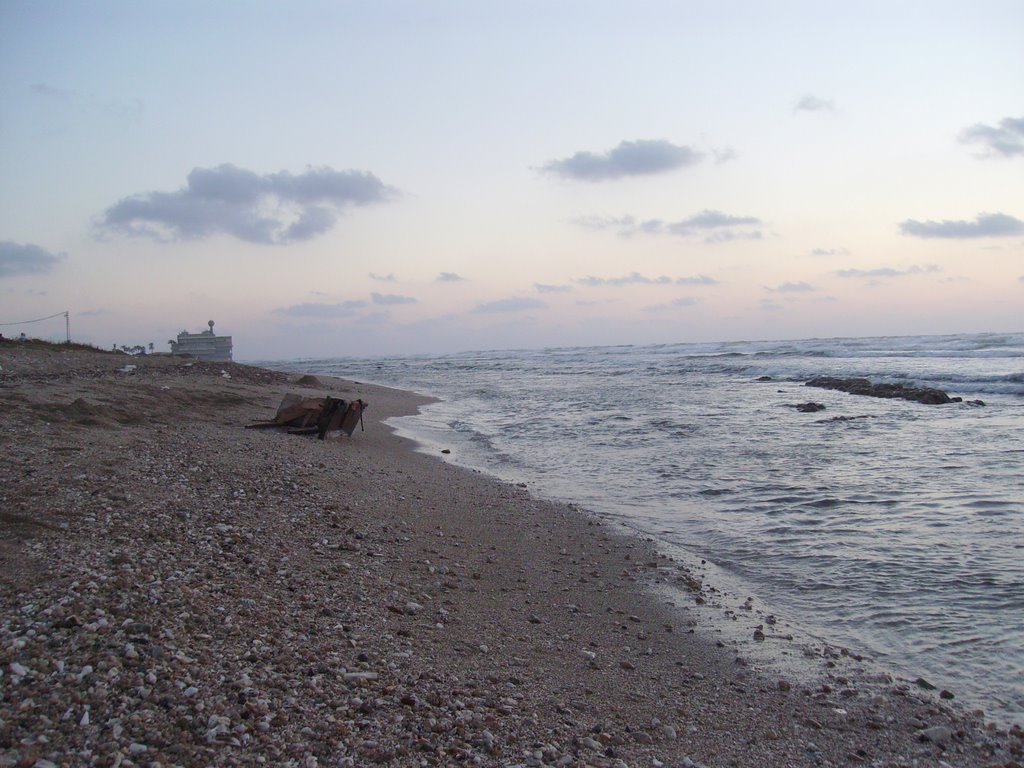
625, 226
510, 305
124, 111
791, 287
819, 252
26, 259
811, 103
52, 92
723, 155
391, 299
274, 208
884, 272
643, 157
696, 280
708, 219
635, 278
984, 225
449, 277
713, 226
389, 278
323, 311
544, 288
1003, 140
685, 301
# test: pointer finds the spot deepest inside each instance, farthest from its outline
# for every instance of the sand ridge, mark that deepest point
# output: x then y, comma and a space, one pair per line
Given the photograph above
177, 590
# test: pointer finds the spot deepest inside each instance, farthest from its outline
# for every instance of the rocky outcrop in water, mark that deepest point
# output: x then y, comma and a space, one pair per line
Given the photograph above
808, 407
857, 386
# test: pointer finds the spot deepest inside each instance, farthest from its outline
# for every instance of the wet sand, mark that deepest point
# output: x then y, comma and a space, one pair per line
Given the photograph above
177, 590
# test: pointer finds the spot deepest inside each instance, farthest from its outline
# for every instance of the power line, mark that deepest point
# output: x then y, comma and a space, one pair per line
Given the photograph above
67, 323
49, 317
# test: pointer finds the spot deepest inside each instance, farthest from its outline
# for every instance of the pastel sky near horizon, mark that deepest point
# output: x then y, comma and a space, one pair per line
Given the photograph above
336, 178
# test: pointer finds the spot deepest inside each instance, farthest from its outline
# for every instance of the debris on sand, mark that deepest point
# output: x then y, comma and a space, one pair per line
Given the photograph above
318, 415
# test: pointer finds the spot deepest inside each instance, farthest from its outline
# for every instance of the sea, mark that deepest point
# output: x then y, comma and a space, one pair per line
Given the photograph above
888, 527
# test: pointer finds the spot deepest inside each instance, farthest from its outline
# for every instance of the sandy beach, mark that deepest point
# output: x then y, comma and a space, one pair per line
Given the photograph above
178, 590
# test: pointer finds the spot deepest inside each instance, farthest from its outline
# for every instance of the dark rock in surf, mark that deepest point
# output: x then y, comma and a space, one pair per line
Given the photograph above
764, 378
809, 407
857, 386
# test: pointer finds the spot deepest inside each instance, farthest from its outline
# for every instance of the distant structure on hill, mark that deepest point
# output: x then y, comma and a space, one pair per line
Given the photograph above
202, 346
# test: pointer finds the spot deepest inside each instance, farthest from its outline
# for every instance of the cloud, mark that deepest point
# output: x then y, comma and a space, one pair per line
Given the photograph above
888, 272
52, 92
542, 288
633, 278
126, 112
811, 103
372, 319
1004, 140
627, 226
830, 252
274, 209
389, 278
449, 277
708, 219
790, 287
723, 155
728, 235
717, 227
984, 225
686, 301
342, 309
714, 226
643, 157
390, 299
696, 280
27, 259
510, 305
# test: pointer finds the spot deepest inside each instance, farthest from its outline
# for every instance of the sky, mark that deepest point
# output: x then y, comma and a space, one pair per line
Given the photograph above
347, 178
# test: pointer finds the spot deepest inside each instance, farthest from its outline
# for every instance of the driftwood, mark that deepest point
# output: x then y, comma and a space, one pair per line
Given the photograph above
318, 415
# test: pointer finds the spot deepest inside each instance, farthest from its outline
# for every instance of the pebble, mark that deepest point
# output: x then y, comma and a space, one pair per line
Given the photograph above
360, 676
937, 734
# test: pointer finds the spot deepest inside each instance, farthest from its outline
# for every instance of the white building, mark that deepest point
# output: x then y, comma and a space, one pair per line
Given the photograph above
202, 346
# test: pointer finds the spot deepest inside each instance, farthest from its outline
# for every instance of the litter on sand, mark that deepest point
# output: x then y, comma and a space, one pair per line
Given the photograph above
301, 415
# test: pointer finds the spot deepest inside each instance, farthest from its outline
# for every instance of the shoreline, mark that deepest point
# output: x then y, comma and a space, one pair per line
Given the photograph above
728, 608
238, 595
